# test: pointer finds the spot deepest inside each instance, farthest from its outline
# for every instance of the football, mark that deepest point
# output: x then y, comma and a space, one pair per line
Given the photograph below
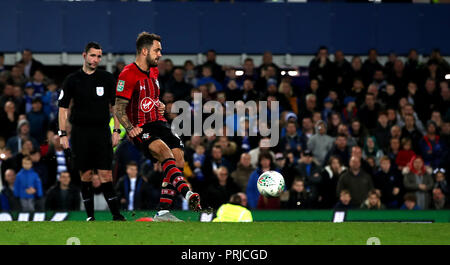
270, 184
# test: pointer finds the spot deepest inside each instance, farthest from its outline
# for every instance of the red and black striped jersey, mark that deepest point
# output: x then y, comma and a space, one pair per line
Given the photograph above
141, 88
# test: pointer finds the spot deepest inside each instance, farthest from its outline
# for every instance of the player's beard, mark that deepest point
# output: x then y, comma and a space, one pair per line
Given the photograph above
151, 62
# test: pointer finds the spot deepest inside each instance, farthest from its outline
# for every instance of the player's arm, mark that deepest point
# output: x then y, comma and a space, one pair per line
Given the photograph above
121, 115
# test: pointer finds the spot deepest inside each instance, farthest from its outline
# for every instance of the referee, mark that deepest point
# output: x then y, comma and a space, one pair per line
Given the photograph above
92, 92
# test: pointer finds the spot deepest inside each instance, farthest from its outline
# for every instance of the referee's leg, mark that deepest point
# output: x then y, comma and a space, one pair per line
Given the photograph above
109, 194
87, 192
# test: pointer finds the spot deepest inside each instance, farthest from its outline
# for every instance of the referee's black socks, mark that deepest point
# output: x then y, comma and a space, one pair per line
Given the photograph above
111, 198
87, 193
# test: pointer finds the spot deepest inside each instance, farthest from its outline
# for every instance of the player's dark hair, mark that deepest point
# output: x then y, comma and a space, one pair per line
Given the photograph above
146, 39
92, 44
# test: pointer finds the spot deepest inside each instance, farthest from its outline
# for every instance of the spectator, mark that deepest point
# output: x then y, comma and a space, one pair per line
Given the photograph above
356, 181
262, 147
63, 196
249, 70
8, 119
50, 101
371, 149
38, 121
267, 61
417, 180
28, 186
265, 163
343, 130
37, 82
345, 201
381, 132
429, 98
129, 188
100, 203
412, 95
178, 86
431, 147
394, 149
330, 176
248, 91
342, 69
213, 163
358, 131
221, 189
444, 100
373, 201
292, 140
23, 133
368, 112
7, 95
288, 98
441, 181
322, 69
198, 161
234, 211
2, 62
31, 65
440, 201
150, 194
267, 72
408, 109
11, 203
413, 67
405, 154
229, 148
243, 171
190, 73
57, 162
370, 65
120, 64
410, 202
340, 149
310, 171
410, 131
216, 69
349, 112
40, 168
389, 181
334, 120
27, 149
299, 197
379, 80
320, 143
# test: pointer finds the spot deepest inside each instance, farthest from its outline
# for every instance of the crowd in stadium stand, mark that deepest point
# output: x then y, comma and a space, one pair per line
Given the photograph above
358, 135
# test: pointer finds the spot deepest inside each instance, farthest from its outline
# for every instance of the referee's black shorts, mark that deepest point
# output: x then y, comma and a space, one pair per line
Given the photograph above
91, 148
153, 131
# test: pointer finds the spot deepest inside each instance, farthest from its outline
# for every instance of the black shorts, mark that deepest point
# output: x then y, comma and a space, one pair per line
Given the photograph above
153, 131
91, 148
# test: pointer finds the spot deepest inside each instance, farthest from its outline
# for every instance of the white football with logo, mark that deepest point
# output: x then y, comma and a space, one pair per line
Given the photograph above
271, 184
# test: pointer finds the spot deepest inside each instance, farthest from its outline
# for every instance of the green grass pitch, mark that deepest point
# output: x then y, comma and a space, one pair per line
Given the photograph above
197, 233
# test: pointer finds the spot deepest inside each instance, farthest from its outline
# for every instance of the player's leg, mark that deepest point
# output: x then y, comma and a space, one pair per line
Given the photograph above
192, 197
109, 194
87, 193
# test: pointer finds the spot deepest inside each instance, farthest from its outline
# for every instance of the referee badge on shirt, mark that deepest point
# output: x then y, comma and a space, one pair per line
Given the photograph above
100, 91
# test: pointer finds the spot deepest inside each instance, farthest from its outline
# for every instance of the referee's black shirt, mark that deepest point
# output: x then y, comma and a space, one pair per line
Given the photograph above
91, 96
